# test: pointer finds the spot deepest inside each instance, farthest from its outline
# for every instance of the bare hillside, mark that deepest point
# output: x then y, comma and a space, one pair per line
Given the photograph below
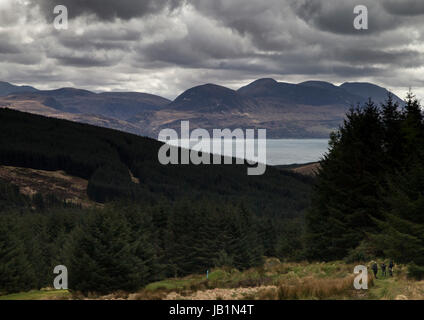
63, 186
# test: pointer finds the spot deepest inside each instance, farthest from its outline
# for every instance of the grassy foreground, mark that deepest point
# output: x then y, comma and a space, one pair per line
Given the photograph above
275, 280
43, 294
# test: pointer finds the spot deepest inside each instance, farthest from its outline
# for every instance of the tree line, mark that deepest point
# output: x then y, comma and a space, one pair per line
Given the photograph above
171, 221
125, 246
368, 199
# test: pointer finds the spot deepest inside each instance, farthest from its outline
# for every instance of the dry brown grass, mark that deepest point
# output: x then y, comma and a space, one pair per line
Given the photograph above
308, 169
312, 288
63, 186
315, 288
249, 293
149, 295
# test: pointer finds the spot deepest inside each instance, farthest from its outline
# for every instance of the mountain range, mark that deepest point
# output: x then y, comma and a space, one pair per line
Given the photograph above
310, 109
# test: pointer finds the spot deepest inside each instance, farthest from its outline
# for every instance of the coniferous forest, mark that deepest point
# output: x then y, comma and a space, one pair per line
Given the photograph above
366, 201
174, 221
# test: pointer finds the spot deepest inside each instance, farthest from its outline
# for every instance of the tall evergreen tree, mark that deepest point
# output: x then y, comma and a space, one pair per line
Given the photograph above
412, 129
346, 195
16, 273
401, 233
392, 141
104, 257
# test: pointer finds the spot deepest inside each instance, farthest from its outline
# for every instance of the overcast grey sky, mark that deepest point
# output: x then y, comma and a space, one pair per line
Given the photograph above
167, 46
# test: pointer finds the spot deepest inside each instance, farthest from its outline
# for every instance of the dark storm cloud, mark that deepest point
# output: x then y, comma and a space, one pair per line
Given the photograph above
364, 56
148, 46
20, 59
108, 9
346, 72
84, 61
7, 47
330, 45
263, 21
290, 64
104, 38
404, 7
194, 50
337, 16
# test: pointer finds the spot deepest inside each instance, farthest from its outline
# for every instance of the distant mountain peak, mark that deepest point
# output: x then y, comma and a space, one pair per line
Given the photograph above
369, 90
318, 84
359, 83
205, 91
264, 81
210, 97
311, 108
210, 87
68, 92
7, 88
260, 87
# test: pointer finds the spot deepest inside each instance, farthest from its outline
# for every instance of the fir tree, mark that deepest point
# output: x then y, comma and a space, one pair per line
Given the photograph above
393, 140
346, 196
105, 258
16, 273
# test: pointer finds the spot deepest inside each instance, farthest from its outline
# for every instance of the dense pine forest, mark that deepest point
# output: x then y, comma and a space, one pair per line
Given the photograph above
368, 200
175, 220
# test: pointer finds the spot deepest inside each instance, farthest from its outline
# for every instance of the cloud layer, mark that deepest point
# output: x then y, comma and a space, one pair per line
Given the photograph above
165, 46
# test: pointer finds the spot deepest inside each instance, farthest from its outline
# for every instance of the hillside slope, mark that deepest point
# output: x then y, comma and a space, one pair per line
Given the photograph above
8, 88
104, 158
64, 187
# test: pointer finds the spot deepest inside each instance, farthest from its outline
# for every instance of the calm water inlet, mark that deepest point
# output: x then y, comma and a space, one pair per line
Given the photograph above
278, 151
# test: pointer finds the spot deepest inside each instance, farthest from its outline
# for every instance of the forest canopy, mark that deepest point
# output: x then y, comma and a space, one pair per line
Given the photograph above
171, 221
368, 199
